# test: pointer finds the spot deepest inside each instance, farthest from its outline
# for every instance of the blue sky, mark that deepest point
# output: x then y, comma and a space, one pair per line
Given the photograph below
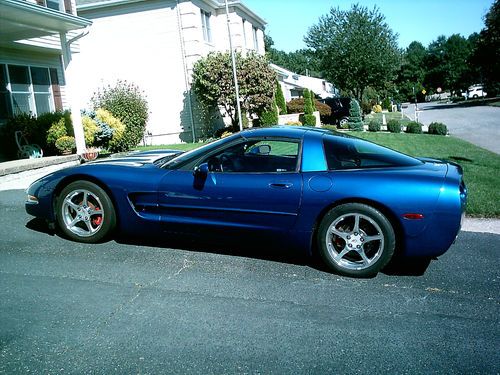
421, 20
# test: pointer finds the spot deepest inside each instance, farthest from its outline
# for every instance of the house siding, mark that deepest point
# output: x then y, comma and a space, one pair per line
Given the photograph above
155, 44
139, 43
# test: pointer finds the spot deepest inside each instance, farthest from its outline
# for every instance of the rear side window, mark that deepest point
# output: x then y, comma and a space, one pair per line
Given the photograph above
352, 153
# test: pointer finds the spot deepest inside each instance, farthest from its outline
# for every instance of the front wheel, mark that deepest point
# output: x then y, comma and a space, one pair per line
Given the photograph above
343, 123
85, 212
356, 240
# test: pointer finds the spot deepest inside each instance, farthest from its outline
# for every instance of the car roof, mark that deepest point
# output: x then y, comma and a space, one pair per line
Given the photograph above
282, 131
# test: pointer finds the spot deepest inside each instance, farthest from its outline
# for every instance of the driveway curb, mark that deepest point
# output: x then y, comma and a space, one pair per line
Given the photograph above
22, 165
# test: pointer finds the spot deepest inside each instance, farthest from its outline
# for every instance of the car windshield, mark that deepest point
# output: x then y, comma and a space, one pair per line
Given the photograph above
185, 157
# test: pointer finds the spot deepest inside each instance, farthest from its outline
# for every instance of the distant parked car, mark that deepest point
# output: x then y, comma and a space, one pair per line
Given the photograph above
340, 110
476, 91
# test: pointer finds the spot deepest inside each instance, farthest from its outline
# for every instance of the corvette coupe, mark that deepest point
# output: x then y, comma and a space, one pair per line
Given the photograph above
356, 203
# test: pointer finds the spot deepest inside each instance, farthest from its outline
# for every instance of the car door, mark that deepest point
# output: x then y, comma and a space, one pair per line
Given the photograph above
254, 184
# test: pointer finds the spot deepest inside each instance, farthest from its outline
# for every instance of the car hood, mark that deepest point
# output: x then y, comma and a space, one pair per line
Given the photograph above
138, 158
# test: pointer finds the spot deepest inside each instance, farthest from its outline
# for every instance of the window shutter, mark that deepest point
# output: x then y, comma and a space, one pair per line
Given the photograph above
56, 89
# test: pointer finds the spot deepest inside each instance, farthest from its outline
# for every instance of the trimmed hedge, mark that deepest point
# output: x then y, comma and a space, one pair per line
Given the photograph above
374, 126
438, 128
414, 127
394, 126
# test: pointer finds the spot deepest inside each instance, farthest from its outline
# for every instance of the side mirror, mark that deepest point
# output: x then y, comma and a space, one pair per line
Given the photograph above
201, 170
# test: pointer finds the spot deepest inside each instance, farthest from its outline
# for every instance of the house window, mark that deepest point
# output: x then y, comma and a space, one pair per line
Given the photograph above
255, 38
26, 89
205, 25
244, 33
52, 4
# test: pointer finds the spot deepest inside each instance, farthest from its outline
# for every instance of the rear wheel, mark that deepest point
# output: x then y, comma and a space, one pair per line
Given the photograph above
356, 240
85, 212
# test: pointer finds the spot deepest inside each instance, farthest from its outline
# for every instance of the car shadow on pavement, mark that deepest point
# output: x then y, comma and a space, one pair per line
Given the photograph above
40, 225
247, 248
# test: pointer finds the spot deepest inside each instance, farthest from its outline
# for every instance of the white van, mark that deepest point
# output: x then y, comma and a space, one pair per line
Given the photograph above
475, 91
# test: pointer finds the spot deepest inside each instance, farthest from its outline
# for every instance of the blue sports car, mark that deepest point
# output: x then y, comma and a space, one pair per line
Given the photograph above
356, 203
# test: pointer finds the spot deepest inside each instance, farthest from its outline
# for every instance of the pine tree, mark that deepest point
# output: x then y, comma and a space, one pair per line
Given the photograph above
280, 99
355, 120
309, 118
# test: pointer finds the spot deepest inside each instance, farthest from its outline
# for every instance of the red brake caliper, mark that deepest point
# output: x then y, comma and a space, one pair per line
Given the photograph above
97, 220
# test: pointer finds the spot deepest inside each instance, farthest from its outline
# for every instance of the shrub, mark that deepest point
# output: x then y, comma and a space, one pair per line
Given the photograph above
374, 126
293, 123
126, 102
66, 144
355, 122
414, 127
394, 126
386, 104
269, 116
297, 106
438, 128
35, 129
115, 125
56, 131
309, 120
377, 108
90, 129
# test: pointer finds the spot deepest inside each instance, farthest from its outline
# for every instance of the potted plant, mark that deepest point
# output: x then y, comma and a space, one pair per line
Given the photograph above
65, 144
91, 153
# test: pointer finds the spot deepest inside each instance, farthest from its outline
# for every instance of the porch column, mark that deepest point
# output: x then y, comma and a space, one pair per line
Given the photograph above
76, 117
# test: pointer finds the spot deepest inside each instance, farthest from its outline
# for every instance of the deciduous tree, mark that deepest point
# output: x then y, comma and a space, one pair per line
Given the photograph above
357, 48
213, 83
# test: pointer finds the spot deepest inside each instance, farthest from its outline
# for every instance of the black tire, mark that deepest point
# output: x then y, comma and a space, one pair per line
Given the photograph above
85, 212
356, 250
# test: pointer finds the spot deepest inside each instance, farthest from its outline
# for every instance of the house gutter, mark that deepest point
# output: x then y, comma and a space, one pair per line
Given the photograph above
186, 74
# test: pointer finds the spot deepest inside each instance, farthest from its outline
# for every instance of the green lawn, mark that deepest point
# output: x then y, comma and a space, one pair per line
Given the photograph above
481, 167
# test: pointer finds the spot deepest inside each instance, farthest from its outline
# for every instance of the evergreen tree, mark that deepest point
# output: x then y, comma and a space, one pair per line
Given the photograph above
355, 120
309, 118
280, 99
312, 101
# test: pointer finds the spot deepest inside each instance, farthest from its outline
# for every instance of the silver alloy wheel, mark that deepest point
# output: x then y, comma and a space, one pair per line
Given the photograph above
354, 241
82, 213
343, 122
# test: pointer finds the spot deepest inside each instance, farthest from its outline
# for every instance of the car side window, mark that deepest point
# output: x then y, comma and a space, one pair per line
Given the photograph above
352, 153
256, 156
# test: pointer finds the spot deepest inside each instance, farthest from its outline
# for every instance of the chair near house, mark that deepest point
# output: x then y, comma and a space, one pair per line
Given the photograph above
26, 150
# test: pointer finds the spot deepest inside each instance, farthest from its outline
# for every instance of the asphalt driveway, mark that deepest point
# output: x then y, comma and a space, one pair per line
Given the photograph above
479, 125
118, 308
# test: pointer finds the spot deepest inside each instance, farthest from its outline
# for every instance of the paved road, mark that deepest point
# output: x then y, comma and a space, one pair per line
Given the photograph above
118, 308
479, 125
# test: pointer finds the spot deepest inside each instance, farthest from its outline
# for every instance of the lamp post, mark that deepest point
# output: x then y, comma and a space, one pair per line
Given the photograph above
233, 59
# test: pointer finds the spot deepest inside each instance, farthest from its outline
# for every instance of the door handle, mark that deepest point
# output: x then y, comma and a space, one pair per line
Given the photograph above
281, 185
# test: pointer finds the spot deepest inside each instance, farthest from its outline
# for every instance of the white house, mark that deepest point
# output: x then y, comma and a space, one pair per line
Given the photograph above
154, 44
37, 41
293, 84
